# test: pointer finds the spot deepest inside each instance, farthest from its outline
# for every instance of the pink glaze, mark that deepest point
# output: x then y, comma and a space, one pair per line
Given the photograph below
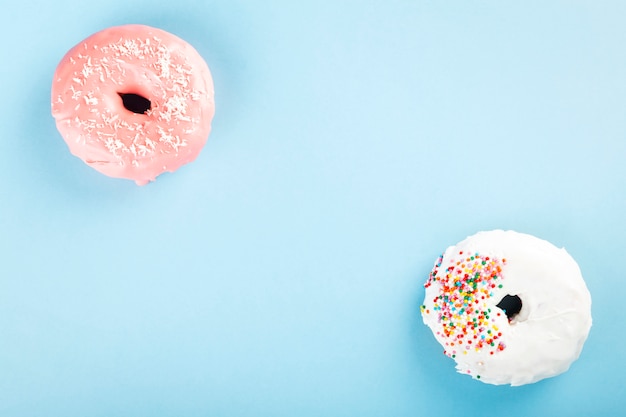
90, 114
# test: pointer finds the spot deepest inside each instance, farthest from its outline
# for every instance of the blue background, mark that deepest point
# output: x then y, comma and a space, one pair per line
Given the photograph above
281, 273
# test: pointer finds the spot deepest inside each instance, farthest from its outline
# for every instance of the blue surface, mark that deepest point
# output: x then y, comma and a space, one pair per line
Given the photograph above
281, 273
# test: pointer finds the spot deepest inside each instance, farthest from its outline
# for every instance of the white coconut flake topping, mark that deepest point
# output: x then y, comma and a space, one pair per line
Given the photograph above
154, 58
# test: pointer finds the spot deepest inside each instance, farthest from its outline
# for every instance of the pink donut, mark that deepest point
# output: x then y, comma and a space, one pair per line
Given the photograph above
133, 102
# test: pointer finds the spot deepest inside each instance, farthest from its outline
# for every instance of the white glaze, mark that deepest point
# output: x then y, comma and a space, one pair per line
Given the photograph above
548, 333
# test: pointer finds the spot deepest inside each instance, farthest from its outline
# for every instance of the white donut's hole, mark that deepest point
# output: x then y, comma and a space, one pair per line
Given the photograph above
511, 305
135, 103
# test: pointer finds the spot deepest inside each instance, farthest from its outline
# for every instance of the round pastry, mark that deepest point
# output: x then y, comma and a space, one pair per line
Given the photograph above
509, 308
133, 102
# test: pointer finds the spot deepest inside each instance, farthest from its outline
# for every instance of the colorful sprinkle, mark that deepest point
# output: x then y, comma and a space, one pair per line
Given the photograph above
464, 289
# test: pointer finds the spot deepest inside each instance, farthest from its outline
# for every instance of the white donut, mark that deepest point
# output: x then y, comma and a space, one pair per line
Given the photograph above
474, 282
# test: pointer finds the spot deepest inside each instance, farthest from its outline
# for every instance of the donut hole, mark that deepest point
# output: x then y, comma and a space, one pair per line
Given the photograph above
511, 305
135, 103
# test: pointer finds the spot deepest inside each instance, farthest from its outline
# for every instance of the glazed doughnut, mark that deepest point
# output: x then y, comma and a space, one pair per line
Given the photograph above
508, 307
133, 102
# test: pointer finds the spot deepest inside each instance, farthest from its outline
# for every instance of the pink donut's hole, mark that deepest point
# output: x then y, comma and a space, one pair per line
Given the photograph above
135, 103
